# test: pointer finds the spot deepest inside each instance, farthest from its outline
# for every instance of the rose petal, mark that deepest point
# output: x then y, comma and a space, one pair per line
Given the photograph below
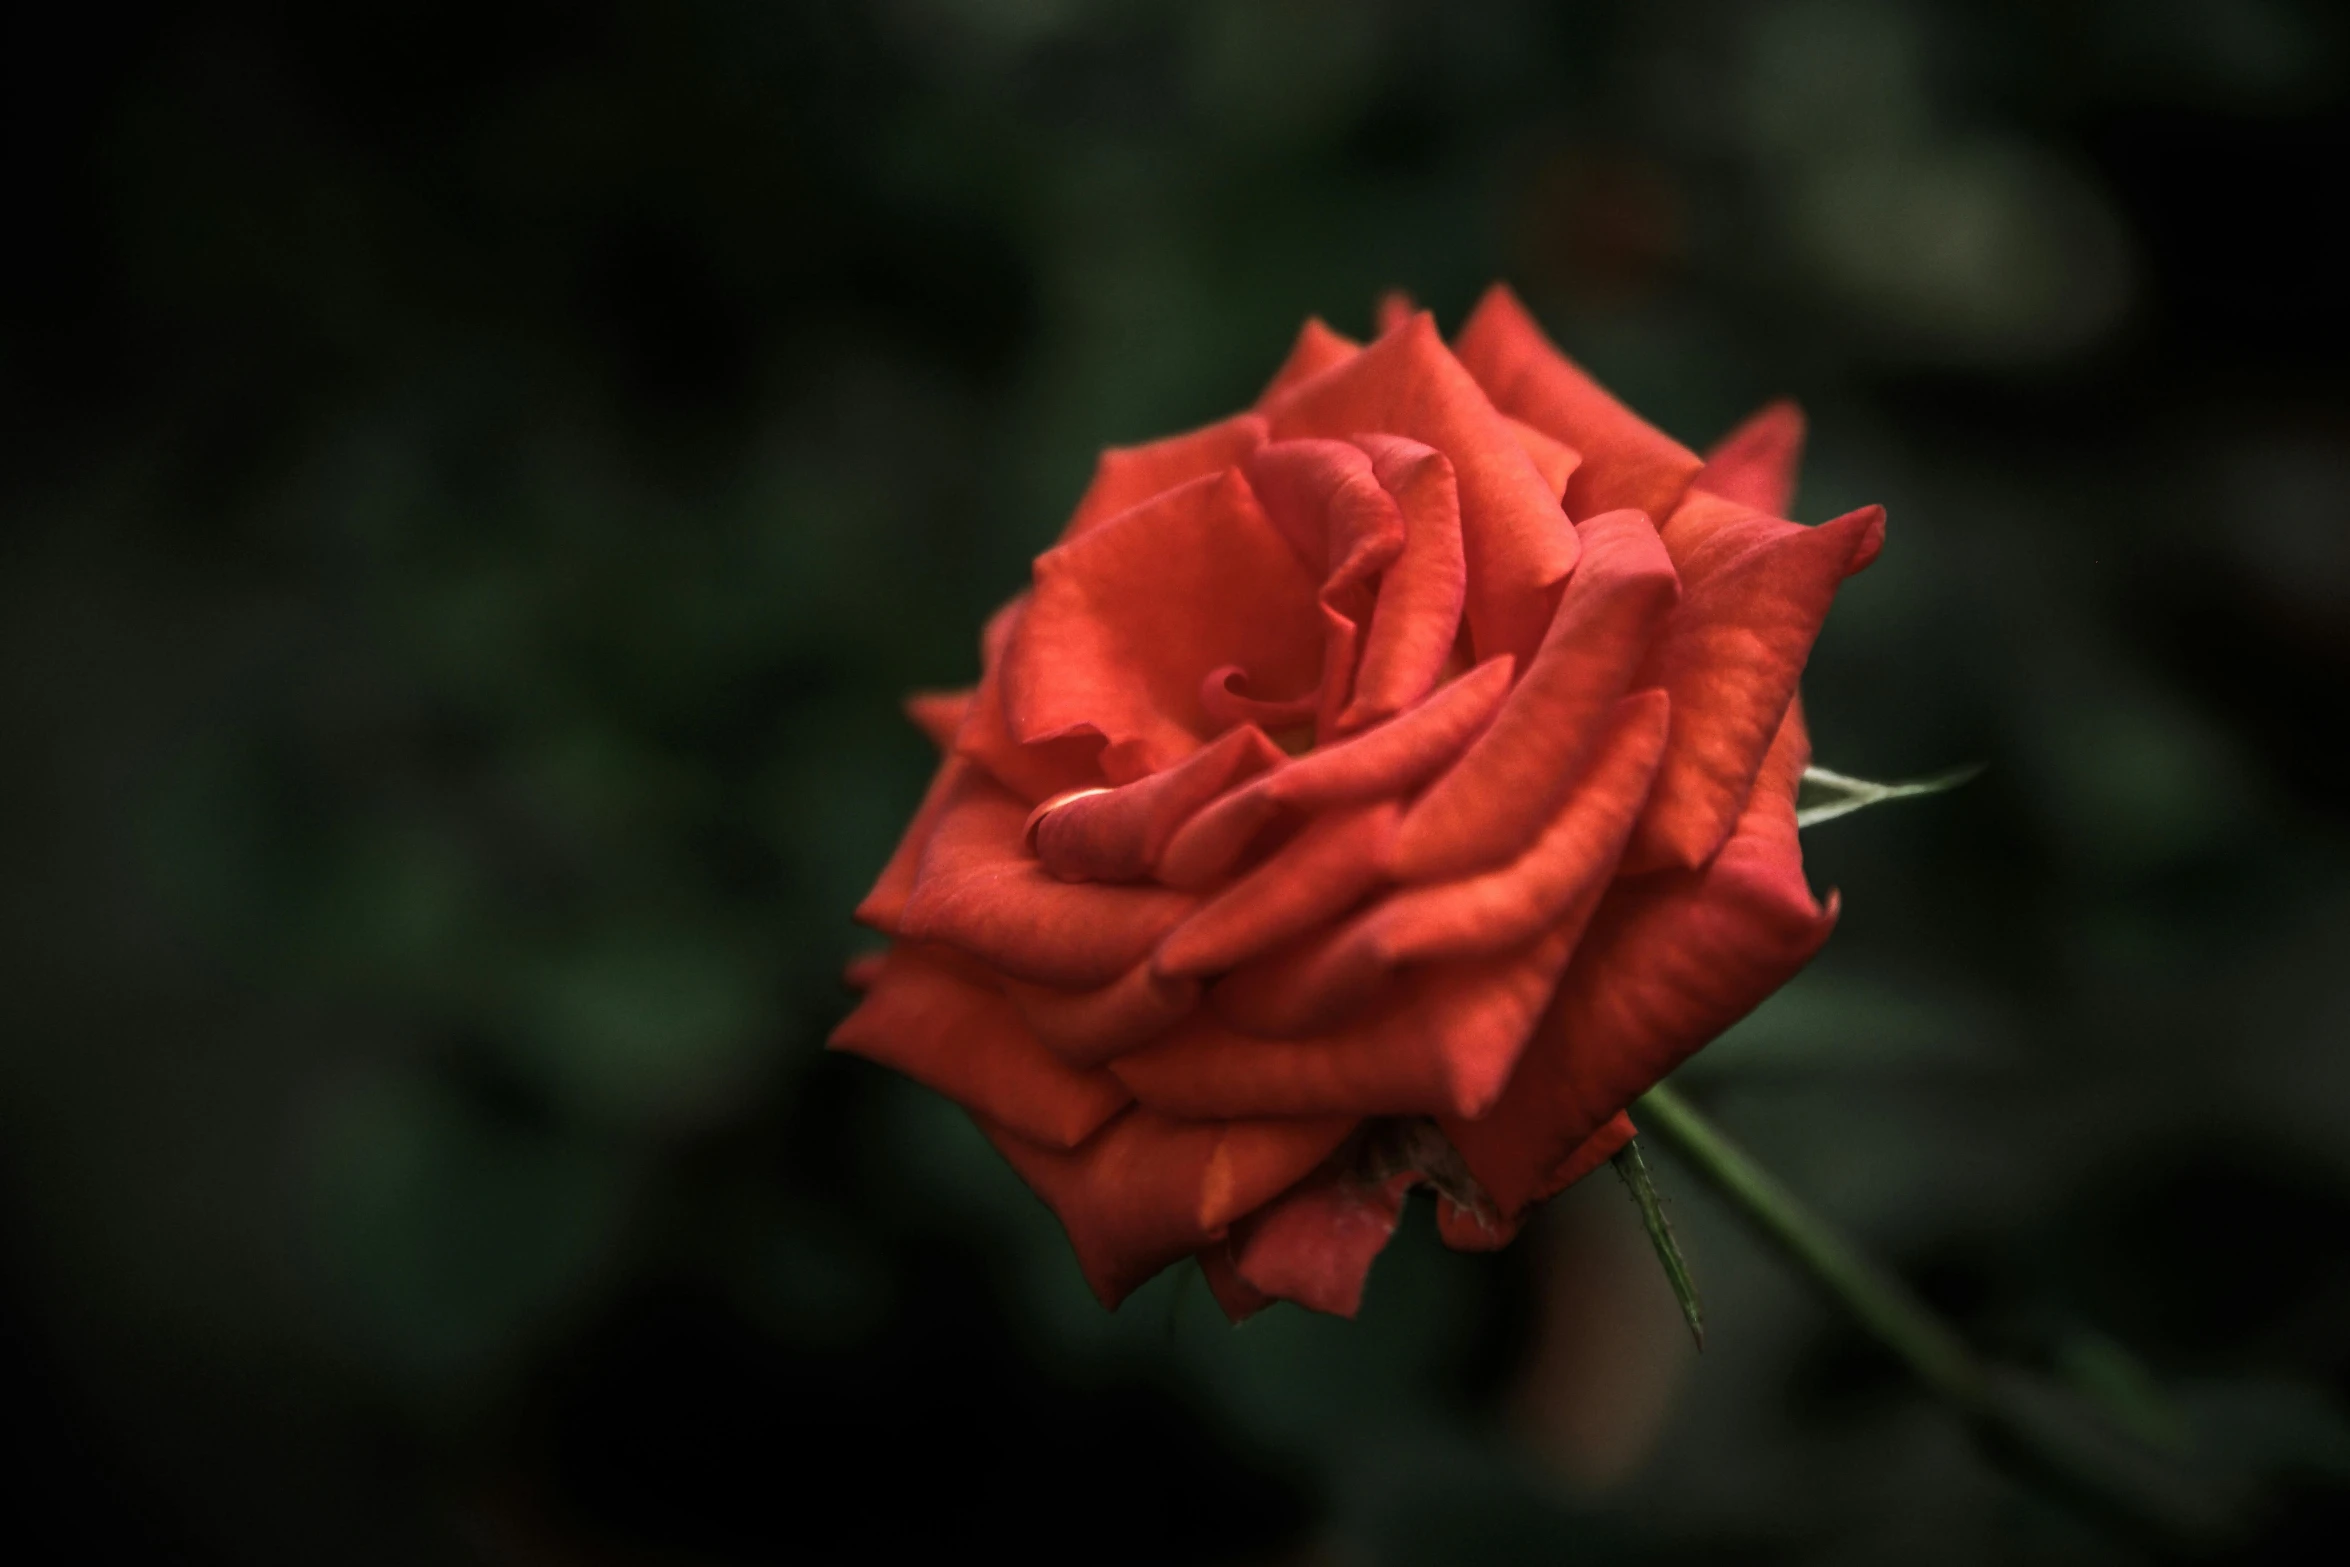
948, 1029
1090, 1027
1126, 476
1626, 461
938, 714
1554, 885
1757, 591
1127, 620
1382, 762
1416, 620
886, 903
1239, 1299
1119, 834
1409, 384
1554, 459
978, 890
1316, 350
1755, 464
1325, 870
1315, 1243
1147, 1189
1446, 1044
1513, 777
1669, 962
1033, 772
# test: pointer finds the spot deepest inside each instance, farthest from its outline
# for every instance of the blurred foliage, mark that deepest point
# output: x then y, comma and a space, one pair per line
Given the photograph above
480, 479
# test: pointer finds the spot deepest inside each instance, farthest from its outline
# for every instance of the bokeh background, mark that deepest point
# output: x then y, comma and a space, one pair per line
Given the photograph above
478, 479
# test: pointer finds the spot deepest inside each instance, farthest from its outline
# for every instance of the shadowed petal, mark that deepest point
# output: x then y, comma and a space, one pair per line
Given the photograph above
1626, 461
1466, 1230
1147, 1189
946, 1027
1089, 1027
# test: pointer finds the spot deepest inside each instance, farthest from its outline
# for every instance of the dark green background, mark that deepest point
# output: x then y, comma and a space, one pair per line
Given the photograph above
478, 479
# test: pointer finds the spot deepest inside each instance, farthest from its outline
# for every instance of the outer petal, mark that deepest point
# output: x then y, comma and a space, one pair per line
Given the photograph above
1409, 384
1758, 590
1554, 459
1128, 620
1119, 834
1446, 1042
1626, 460
978, 890
1755, 464
1316, 1242
1382, 762
887, 901
1513, 778
1669, 962
929, 1016
1126, 476
1317, 349
1147, 1189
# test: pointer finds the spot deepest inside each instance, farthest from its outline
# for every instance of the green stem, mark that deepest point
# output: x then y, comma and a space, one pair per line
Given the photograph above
1901, 1322
2168, 1504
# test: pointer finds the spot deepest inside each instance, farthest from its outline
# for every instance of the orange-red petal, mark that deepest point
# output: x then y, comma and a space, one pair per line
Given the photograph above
1756, 592
1147, 1189
1126, 476
1512, 779
946, 1027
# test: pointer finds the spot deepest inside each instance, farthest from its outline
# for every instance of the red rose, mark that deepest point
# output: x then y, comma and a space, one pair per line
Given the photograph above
1367, 791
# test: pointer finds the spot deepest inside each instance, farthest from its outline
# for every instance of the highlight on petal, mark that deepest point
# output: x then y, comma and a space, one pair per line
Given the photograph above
1126, 476
978, 890
1755, 464
1515, 775
1148, 1189
1626, 461
1408, 384
1118, 834
1758, 590
1382, 762
1128, 619
941, 1022
1090, 1027
1669, 961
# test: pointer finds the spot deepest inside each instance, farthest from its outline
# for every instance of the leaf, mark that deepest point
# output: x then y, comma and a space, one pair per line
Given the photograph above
1827, 795
1633, 1167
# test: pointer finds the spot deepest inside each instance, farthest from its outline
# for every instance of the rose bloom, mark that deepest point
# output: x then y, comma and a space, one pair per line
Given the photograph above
1384, 786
